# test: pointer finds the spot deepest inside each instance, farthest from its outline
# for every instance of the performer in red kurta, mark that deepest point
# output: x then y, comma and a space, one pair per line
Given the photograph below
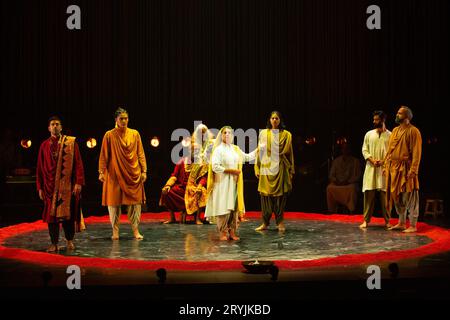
172, 196
59, 178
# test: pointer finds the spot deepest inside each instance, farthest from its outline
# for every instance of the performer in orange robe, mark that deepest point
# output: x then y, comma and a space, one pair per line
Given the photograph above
123, 171
401, 169
59, 179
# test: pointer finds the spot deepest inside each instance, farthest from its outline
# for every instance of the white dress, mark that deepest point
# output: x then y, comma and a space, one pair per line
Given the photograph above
223, 198
374, 146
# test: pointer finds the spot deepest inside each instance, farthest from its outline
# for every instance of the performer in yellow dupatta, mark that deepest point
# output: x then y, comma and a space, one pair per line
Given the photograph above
196, 191
274, 168
226, 184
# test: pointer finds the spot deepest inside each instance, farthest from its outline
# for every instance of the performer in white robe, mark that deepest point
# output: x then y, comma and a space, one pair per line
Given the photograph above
226, 185
374, 150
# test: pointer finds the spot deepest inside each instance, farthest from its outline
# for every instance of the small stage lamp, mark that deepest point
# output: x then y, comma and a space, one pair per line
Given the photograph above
91, 143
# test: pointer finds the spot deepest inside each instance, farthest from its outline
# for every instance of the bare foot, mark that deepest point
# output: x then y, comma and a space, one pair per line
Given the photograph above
410, 230
262, 227
52, 248
137, 235
170, 221
233, 236
388, 225
115, 235
363, 225
70, 245
281, 227
223, 236
398, 226
198, 222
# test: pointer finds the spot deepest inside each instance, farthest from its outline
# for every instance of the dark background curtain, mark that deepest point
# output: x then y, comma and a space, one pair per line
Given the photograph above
170, 62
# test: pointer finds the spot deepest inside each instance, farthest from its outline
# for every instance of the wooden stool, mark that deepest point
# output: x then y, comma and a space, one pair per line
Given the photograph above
434, 207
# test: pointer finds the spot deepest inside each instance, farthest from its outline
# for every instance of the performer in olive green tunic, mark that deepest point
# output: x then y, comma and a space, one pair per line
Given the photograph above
274, 168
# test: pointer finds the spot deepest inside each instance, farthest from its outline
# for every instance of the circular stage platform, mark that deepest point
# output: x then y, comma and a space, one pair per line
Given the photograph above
311, 240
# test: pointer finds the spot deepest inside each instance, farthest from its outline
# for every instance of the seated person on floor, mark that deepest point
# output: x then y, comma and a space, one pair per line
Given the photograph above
344, 176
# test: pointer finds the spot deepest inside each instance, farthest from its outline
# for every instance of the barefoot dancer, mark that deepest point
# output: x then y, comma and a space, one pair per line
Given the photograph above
226, 184
274, 171
402, 169
59, 177
123, 171
374, 150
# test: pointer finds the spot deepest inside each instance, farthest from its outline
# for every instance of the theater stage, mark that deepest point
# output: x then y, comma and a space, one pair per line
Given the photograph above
319, 256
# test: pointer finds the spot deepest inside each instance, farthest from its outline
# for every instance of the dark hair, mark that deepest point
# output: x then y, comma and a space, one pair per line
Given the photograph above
53, 118
282, 126
409, 112
119, 111
381, 114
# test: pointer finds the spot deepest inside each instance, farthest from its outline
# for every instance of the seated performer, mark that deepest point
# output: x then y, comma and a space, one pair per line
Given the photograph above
196, 192
344, 176
172, 195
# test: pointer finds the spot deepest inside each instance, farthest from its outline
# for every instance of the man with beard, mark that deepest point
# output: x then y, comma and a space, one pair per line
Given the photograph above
59, 179
374, 150
402, 168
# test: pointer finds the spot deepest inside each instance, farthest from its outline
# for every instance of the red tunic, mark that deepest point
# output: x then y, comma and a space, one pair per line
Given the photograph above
174, 199
46, 172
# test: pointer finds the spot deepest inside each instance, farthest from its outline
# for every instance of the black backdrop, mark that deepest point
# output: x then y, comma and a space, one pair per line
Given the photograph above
170, 62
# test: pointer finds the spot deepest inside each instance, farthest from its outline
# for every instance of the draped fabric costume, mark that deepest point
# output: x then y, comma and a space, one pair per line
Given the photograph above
226, 191
174, 199
375, 146
59, 168
196, 192
122, 161
275, 168
344, 176
403, 158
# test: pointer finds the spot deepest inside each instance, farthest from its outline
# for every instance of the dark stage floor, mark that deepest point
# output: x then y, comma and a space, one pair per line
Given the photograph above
425, 277
303, 240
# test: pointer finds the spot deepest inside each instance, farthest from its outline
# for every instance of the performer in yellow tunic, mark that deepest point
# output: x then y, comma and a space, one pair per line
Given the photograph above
196, 189
123, 171
274, 168
402, 168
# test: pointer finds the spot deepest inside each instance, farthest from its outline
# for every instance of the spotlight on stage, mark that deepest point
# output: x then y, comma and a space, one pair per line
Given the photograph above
154, 142
25, 143
91, 143
341, 141
432, 140
311, 141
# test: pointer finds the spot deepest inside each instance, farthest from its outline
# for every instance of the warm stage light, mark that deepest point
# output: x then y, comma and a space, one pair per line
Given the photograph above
154, 142
91, 143
341, 141
432, 140
25, 143
311, 140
